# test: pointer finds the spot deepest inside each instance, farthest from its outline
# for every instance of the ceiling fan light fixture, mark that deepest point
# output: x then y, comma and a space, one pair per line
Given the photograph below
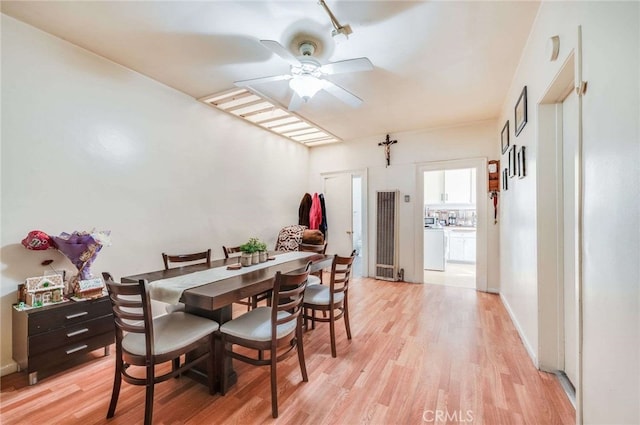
306, 74
306, 86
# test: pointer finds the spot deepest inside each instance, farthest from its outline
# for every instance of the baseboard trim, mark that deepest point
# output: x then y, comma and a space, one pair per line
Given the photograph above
567, 386
527, 346
8, 369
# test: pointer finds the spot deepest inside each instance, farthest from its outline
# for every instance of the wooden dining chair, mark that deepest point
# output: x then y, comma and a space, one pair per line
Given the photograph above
267, 329
144, 341
316, 277
332, 298
251, 302
228, 250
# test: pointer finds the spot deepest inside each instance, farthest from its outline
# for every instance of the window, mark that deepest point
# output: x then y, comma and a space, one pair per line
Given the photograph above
270, 116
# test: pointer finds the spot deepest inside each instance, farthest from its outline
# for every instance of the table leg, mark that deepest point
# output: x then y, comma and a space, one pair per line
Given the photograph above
221, 316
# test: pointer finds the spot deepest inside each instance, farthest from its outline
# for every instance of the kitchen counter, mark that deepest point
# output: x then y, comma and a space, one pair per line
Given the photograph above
460, 228
454, 228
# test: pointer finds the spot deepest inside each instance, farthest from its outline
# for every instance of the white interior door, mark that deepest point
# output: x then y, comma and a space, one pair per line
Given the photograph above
338, 198
569, 157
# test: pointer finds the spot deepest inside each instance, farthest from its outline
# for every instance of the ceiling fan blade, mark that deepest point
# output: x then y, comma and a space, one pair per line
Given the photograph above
342, 94
296, 102
243, 83
349, 65
279, 50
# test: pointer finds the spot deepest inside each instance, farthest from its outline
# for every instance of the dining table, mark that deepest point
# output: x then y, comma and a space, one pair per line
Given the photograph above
210, 290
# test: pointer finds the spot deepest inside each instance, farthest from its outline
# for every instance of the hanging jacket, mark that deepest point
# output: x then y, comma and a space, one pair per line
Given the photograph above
315, 215
304, 209
323, 224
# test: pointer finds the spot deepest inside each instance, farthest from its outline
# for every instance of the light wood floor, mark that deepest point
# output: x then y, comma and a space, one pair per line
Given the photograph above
418, 354
461, 275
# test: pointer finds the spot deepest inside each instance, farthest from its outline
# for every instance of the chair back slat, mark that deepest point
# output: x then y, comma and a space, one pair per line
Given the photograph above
290, 299
131, 306
320, 249
184, 258
340, 275
288, 296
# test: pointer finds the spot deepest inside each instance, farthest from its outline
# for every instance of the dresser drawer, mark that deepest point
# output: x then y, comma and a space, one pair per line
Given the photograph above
61, 354
68, 315
43, 342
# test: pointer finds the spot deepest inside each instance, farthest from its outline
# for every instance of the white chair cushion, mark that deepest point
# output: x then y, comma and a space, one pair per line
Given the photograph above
319, 295
255, 325
170, 332
313, 280
172, 308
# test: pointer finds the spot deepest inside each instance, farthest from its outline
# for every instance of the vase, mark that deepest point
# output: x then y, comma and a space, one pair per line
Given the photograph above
255, 258
263, 256
245, 259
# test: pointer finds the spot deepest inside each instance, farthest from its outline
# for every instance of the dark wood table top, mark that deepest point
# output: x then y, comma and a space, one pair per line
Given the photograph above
221, 293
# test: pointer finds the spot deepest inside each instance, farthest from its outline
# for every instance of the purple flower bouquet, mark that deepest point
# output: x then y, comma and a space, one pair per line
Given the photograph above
81, 248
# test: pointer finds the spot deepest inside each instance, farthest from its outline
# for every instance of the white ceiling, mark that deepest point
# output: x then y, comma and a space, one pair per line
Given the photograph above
436, 63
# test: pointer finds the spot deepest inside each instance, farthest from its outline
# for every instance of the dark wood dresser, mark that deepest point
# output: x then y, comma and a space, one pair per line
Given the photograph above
46, 337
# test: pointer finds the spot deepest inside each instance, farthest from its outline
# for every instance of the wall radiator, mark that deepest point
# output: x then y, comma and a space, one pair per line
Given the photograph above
387, 235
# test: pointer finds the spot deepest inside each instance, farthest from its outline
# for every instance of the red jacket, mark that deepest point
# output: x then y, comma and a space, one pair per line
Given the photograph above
315, 215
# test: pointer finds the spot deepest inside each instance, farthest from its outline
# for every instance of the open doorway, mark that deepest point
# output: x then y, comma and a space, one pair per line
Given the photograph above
453, 197
450, 220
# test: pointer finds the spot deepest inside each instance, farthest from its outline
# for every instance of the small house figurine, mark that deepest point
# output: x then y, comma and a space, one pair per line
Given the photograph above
43, 290
90, 288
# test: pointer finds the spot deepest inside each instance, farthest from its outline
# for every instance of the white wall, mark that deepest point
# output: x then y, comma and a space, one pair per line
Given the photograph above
467, 141
611, 245
87, 143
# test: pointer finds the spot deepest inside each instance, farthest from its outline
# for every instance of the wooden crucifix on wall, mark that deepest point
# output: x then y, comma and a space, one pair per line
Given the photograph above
387, 148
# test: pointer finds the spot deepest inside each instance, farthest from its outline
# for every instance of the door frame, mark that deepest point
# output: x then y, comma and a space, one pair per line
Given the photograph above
550, 222
482, 183
362, 173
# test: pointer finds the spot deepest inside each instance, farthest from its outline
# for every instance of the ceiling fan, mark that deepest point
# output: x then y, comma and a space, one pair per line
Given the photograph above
306, 77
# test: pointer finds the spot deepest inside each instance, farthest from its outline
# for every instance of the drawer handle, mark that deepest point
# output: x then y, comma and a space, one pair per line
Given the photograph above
73, 350
78, 332
73, 316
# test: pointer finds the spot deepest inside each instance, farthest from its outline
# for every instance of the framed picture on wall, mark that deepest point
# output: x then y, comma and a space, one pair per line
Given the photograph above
504, 137
505, 179
521, 111
513, 164
522, 164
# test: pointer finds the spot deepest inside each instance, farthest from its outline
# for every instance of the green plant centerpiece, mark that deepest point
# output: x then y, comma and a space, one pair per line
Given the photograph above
262, 251
253, 252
